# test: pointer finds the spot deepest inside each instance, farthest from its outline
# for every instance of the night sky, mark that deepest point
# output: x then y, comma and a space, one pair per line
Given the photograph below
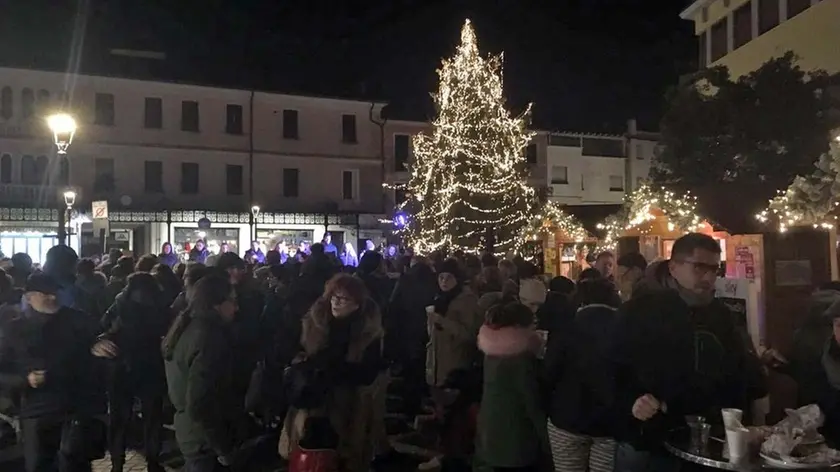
586, 65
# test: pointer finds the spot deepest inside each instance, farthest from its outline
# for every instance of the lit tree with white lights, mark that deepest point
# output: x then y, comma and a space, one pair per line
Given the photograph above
468, 187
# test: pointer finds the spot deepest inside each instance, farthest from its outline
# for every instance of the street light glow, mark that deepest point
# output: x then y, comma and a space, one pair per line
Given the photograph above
69, 198
63, 127
255, 210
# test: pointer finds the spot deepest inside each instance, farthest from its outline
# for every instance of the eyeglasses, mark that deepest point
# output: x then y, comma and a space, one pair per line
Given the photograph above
341, 299
701, 267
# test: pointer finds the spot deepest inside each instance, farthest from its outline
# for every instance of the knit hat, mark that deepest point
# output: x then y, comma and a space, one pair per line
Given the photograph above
42, 283
532, 292
451, 266
230, 260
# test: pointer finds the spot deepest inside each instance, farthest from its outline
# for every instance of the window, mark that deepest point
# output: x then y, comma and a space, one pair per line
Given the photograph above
559, 175
189, 177
233, 123
104, 180
703, 56
290, 182
64, 170
768, 15
104, 109
742, 25
616, 183
233, 175
153, 113
531, 153
350, 185
6, 103
567, 141
348, 129
640, 151
795, 7
290, 124
6, 169
41, 166
401, 144
28, 172
603, 147
43, 100
189, 116
719, 46
27, 98
153, 182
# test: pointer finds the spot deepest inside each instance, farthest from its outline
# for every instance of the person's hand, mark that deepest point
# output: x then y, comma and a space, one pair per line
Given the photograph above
105, 348
646, 407
435, 317
771, 357
36, 378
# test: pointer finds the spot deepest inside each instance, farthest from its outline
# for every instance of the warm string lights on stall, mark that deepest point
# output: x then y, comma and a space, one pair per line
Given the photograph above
681, 212
812, 200
469, 176
552, 218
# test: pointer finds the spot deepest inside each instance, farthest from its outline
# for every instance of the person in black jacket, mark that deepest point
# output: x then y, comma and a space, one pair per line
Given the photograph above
47, 356
676, 352
577, 367
136, 322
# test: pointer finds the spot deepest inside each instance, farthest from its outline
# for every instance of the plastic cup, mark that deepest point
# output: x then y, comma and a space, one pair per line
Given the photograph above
738, 442
732, 418
699, 434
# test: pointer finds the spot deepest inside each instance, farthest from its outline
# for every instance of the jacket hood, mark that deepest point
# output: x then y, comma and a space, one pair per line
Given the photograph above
507, 341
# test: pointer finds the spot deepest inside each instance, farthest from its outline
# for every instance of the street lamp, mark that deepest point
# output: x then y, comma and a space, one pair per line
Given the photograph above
69, 200
63, 128
255, 212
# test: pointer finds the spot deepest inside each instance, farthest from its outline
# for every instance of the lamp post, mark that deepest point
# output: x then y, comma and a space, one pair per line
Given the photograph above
69, 200
255, 212
63, 128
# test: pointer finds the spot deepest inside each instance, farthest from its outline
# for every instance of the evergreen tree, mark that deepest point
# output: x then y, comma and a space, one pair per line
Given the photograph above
468, 188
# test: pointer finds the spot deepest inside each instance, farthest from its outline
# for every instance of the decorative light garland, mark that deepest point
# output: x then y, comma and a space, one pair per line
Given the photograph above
810, 200
469, 176
552, 218
680, 211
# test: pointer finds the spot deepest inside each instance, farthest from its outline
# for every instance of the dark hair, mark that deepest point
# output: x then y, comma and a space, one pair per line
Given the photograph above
596, 291
604, 254
489, 260
272, 257
512, 314
180, 269
194, 273
371, 260
206, 295
127, 263
491, 279
120, 271
527, 270
143, 282
686, 245
562, 285
633, 260
146, 263
590, 273
86, 266
21, 260
316, 248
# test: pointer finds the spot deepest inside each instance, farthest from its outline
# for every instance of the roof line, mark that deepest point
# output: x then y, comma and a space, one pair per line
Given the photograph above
691, 10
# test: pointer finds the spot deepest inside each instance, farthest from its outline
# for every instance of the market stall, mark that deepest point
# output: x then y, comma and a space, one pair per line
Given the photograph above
565, 242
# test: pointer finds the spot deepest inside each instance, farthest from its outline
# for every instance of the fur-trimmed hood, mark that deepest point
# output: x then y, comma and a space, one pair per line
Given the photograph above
508, 341
316, 325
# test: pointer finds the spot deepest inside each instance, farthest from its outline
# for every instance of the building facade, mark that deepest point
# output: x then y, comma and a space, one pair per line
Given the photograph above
165, 155
744, 34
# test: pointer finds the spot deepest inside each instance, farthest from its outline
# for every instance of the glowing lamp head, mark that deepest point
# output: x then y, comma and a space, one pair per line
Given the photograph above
69, 198
255, 210
63, 128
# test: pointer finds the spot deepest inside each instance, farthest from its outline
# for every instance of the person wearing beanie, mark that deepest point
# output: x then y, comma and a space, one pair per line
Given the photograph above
532, 293
631, 269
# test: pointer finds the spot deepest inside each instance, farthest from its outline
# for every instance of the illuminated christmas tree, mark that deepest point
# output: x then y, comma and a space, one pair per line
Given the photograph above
468, 187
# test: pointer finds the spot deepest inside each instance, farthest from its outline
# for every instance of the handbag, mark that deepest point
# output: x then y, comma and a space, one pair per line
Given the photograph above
306, 386
84, 438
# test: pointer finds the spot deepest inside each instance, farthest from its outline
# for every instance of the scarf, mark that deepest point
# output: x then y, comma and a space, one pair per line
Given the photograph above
692, 299
443, 299
831, 363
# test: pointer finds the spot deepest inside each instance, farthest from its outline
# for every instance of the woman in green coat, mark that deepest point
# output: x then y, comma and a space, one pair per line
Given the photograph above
512, 431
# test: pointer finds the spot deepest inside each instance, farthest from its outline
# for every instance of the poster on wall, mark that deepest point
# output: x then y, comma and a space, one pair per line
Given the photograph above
744, 262
740, 295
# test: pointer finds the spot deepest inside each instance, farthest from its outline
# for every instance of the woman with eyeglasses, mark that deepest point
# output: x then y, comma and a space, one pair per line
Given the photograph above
197, 354
342, 354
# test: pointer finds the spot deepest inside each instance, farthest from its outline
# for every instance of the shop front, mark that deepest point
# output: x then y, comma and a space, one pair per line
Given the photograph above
296, 230
214, 228
32, 231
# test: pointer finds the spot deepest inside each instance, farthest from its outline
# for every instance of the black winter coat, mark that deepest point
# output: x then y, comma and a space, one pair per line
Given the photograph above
577, 366
692, 359
137, 330
405, 325
60, 344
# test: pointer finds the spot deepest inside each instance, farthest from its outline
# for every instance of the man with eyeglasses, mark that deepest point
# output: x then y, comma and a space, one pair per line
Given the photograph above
677, 352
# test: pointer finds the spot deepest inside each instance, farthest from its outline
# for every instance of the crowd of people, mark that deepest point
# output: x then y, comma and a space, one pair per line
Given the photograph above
516, 373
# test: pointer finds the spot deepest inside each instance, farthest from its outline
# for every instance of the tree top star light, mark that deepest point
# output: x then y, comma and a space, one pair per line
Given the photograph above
468, 188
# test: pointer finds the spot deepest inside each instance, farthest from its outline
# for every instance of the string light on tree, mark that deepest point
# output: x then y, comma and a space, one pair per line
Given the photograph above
637, 209
468, 187
552, 218
810, 200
